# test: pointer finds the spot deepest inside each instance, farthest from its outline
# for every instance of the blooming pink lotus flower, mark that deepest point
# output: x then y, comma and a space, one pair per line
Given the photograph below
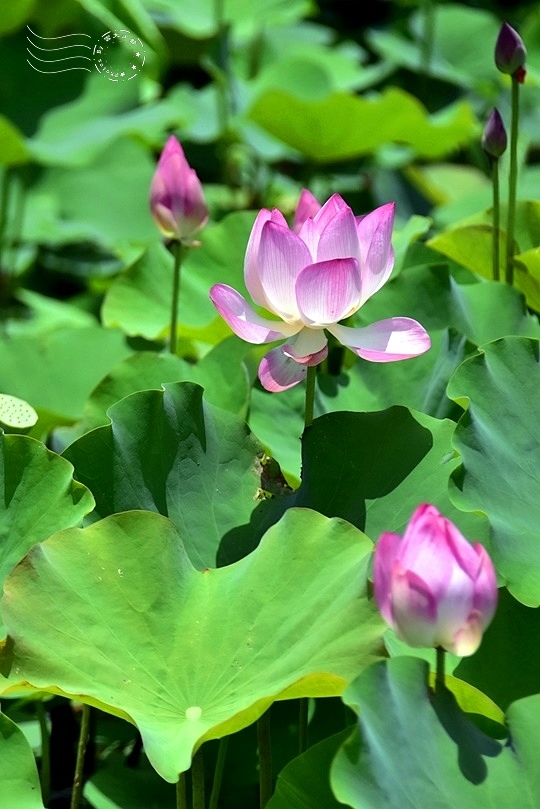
176, 196
432, 586
311, 279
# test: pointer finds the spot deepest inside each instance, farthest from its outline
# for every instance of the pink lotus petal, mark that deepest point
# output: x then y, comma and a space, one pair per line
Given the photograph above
163, 217
462, 551
244, 322
309, 346
328, 291
376, 253
426, 550
397, 338
251, 260
307, 207
310, 236
277, 372
467, 639
485, 586
309, 359
386, 553
330, 208
414, 607
339, 238
282, 255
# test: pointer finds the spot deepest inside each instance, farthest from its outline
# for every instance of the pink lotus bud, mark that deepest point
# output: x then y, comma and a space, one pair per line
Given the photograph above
176, 196
510, 52
494, 138
432, 586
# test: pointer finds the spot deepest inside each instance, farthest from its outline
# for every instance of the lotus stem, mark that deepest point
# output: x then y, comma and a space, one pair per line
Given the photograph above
178, 252
496, 221
84, 734
197, 781
218, 772
310, 394
512, 184
439, 676
428, 34
303, 716
45, 765
265, 759
181, 801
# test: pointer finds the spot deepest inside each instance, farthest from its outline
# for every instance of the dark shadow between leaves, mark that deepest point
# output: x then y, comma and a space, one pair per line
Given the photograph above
473, 746
347, 458
6, 657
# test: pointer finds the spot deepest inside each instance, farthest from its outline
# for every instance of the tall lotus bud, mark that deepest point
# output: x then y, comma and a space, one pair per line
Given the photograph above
176, 196
510, 52
494, 139
432, 586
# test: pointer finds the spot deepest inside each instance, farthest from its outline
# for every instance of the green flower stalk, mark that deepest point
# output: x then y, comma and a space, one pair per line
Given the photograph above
510, 56
494, 142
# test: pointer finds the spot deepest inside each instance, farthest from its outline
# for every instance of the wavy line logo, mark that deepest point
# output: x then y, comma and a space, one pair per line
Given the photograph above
118, 55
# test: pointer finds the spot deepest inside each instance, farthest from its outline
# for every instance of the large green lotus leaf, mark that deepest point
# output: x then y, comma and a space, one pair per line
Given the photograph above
139, 300
305, 782
498, 438
454, 56
190, 655
221, 373
40, 497
171, 452
19, 779
403, 237
133, 14
199, 21
374, 469
452, 183
507, 639
527, 276
420, 751
45, 314
74, 133
14, 151
104, 202
471, 246
320, 67
56, 372
278, 422
342, 126
419, 383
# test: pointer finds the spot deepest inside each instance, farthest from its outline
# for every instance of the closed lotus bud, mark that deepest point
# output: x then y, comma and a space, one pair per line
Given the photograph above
432, 586
510, 52
494, 139
176, 196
